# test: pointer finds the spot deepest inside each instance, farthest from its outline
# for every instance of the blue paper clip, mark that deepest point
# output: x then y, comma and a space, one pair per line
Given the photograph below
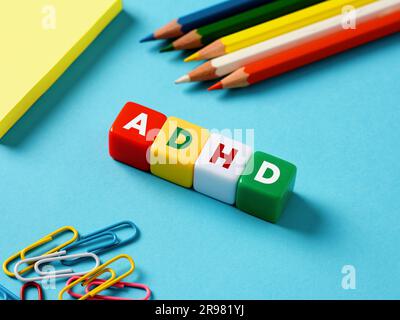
6, 294
99, 236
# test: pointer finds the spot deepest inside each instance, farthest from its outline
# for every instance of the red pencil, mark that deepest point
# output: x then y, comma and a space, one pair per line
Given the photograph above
311, 51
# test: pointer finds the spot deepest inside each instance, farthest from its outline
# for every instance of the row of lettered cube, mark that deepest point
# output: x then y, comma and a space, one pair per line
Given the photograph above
213, 164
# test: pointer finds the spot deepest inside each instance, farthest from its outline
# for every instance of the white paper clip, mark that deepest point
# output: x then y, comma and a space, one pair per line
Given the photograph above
54, 274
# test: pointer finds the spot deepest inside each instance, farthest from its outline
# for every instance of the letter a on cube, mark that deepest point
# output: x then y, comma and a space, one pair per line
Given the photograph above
265, 190
175, 150
132, 134
219, 166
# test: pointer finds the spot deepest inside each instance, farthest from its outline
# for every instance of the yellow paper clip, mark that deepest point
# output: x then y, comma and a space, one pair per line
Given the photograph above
38, 243
86, 283
100, 270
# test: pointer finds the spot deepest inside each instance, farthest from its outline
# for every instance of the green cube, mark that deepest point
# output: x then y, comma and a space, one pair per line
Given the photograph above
265, 186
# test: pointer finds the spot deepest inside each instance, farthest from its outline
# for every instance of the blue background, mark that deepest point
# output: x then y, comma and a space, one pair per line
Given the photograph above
337, 120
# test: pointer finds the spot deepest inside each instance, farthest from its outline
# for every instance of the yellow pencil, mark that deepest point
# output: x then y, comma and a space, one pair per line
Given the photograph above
276, 27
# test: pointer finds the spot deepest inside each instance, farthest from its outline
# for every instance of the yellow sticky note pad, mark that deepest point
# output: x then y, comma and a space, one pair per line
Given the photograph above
176, 149
39, 40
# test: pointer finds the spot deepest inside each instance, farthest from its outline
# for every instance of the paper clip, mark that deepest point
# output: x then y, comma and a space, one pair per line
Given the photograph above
74, 278
118, 285
78, 295
97, 236
38, 243
6, 294
91, 276
31, 284
71, 292
56, 274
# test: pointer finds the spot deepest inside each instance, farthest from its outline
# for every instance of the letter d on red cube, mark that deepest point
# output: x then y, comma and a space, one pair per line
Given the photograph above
132, 134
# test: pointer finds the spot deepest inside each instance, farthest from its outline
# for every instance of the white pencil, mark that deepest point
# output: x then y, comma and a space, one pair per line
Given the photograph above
221, 66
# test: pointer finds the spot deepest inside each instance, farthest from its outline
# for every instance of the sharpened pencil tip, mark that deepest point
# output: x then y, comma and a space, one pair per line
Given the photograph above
183, 79
150, 37
167, 48
193, 57
217, 86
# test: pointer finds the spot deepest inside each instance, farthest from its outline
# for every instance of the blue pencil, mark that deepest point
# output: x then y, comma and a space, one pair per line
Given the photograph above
182, 25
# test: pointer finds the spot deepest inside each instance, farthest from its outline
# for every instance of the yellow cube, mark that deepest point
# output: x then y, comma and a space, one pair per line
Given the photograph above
176, 149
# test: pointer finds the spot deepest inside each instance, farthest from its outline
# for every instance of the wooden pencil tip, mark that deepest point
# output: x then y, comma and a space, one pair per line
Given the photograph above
217, 86
193, 57
150, 37
183, 79
169, 47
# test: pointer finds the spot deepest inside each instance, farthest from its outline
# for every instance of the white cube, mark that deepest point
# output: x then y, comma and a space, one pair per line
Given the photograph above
219, 166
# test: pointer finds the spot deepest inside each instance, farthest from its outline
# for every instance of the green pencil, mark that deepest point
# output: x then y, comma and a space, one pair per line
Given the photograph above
207, 34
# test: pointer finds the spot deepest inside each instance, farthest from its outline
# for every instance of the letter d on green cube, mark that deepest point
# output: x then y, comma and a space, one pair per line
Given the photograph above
264, 190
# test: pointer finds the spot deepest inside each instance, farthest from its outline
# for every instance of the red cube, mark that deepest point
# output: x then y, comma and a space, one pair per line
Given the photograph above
132, 134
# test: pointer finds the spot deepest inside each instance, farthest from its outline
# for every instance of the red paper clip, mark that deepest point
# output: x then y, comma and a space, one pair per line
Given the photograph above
31, 284
119, 285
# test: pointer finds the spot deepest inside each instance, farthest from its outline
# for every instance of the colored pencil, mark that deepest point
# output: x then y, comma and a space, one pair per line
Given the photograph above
207, 34
273, 28
221, 66
180, 26
313, 51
